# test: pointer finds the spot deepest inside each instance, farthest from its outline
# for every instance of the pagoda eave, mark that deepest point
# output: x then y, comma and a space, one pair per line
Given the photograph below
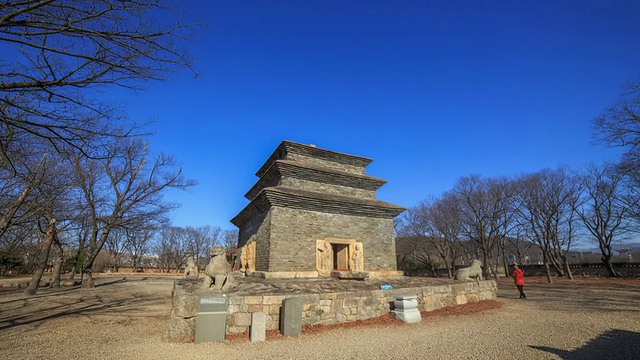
290, 147
281, 168
281, 196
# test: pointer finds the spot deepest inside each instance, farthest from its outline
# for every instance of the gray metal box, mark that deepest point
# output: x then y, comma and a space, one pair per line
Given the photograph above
211, 321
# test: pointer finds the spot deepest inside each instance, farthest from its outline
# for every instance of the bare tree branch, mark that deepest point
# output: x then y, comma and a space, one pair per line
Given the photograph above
58, 54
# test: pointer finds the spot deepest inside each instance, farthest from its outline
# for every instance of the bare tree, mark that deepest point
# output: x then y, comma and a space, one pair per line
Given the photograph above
116, 246
51, 201
230, 242
230, 239
518, 243
80, 234
546, 202
437, 223
58, 258
58, 54
602, 209
414, 233
171, 248
47, 240
484, 209
619, 125
417, 254
123, 190
200, 240
22, 243
138, 245
22, 170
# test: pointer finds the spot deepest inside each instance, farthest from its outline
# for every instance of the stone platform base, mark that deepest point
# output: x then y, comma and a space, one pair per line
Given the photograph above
325, 301
315, 274
284, 274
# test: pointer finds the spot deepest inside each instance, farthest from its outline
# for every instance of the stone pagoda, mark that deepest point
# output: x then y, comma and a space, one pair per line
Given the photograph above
314, 213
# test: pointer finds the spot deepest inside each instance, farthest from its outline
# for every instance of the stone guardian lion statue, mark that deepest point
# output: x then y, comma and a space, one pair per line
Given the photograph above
218, 271
469, 273
191, 270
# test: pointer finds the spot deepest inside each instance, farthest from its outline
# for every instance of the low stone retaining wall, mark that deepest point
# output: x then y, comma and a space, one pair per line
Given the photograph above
318, 309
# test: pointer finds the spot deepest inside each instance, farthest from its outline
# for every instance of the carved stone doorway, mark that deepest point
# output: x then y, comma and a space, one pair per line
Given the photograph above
340, 257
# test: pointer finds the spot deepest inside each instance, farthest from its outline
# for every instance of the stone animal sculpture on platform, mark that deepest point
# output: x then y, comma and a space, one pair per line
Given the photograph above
191, 270
469, 273
218, 271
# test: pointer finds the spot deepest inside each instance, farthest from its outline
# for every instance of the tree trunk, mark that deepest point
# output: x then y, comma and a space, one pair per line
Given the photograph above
87, 278
567, 268
433, 270
505, 263
87, 272
57, 264
547, 271
486, 265
77, 259
606, 260
47, 240
445, 261
73, 273
556, 265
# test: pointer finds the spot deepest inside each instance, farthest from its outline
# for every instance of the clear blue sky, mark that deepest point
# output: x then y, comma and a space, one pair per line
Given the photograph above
431, 90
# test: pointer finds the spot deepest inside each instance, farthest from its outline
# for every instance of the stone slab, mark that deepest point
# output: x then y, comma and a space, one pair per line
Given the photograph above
258, 326
349, 275
291, 317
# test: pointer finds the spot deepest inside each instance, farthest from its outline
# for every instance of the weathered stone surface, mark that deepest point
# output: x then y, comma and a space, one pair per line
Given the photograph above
236, 329
186, 286
461, 299
218, 271
185, 298
349, 275
291, 317
179, 330
469, 273
472, 298
232, 299
242, 319
191, 270
258, 326
185, 305
253, 300
273, 299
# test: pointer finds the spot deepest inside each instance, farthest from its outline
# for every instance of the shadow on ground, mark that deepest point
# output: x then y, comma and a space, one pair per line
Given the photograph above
572, 296
613, 345
106, 299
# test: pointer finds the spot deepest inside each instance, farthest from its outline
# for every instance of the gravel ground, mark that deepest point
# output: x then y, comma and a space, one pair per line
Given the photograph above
583, 319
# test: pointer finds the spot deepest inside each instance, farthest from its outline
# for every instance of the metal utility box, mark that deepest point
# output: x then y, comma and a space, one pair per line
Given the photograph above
211, 321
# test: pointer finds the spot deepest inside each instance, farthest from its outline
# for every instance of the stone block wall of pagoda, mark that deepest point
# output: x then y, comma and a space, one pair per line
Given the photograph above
313, 212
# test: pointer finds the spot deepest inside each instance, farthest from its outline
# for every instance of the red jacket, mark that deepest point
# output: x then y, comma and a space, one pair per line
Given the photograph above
518, 276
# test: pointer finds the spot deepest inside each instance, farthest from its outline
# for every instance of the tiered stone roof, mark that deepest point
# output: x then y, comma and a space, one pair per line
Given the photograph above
288, 149
308, 163
294, 169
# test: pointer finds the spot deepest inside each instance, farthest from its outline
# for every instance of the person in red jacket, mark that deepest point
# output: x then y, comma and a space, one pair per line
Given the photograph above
518, 278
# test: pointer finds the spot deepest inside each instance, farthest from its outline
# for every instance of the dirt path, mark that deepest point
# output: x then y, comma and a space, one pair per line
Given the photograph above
124, 319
